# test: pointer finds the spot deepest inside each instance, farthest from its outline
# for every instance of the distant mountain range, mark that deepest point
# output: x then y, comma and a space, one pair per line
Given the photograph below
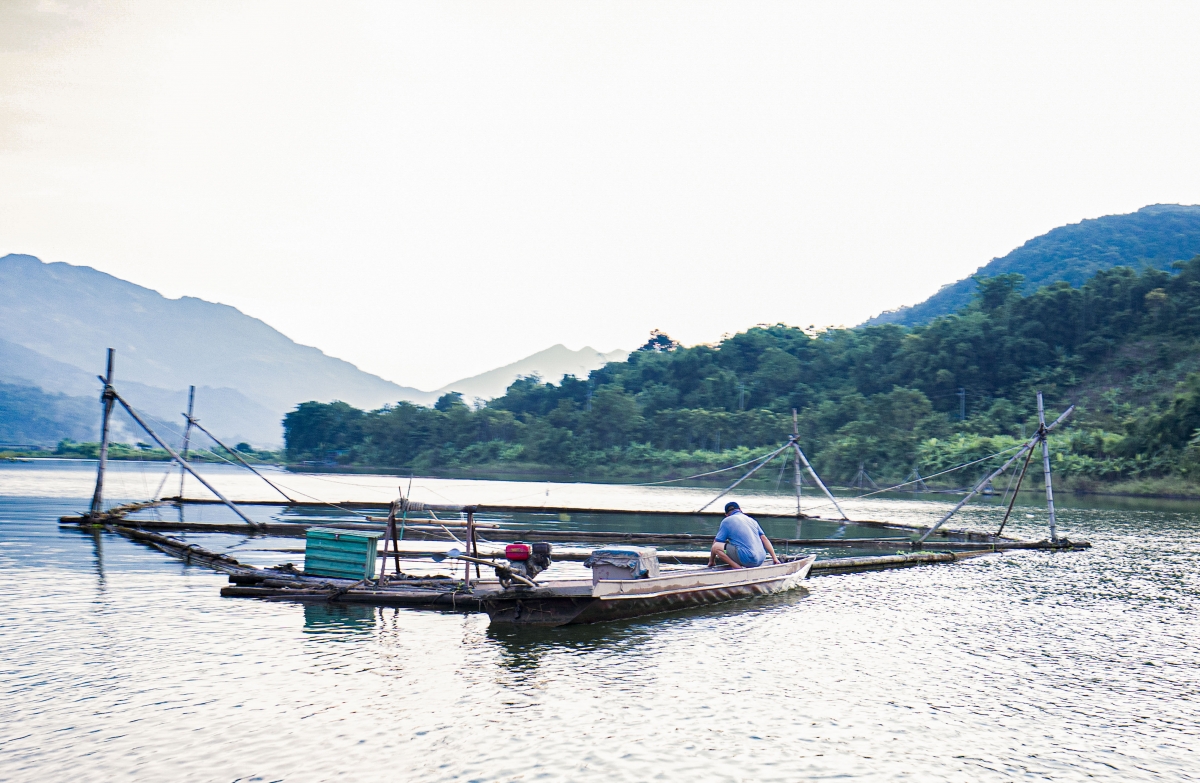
1153, 236
551, 364
57, 320
72, 390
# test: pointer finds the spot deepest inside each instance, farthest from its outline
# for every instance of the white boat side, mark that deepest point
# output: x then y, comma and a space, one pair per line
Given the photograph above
793, 571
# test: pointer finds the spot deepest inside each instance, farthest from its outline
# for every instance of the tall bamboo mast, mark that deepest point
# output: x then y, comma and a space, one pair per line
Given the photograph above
1042, 432
797, 481
804, 460
237, 455
187, 434
184, 463
107, 398
1028, 445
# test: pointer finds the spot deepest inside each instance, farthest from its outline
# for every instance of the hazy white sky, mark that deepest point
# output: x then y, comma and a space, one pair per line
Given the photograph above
430, 190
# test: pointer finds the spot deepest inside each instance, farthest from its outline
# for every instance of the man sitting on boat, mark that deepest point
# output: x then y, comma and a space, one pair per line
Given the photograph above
740, 542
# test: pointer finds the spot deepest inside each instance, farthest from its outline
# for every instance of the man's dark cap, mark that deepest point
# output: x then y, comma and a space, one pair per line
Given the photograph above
731, 507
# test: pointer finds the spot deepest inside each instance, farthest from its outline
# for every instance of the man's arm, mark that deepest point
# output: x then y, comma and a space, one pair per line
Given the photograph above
767, 544
718, 550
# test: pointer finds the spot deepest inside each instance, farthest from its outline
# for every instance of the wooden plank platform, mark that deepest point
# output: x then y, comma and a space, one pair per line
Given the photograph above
449, 593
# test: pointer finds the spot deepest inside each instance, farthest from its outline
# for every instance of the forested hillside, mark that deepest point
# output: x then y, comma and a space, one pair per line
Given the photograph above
1154, 236
887, 397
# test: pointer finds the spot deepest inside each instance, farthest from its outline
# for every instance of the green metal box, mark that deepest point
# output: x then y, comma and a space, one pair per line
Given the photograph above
349, 554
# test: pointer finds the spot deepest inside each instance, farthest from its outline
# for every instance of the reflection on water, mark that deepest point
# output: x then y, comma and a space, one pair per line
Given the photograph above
339, 621
98, 555
121, 663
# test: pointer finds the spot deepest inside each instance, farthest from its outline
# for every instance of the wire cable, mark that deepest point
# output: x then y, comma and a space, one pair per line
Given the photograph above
935, 475
709, 473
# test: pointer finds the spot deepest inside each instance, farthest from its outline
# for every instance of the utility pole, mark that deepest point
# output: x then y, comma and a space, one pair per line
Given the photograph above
962, 404
589, 396
741, 396
1043, 436
107, 399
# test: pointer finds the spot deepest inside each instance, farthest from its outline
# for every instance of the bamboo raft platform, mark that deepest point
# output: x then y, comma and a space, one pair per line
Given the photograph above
281, 583
424, 532
484, 508
695, 586
434, 529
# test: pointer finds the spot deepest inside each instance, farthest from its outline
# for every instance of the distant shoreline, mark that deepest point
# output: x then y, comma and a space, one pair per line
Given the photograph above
1163, 489
1158, 488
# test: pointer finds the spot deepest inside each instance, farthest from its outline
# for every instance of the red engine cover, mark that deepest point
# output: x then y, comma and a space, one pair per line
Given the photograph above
518, 551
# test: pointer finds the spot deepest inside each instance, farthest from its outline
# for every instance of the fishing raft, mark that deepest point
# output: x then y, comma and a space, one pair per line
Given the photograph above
626, 579
341, 563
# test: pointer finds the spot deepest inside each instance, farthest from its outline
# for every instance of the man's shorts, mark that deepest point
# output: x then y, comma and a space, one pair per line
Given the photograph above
731, 550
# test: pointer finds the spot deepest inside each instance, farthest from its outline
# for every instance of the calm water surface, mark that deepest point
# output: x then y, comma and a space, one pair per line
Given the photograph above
120, 663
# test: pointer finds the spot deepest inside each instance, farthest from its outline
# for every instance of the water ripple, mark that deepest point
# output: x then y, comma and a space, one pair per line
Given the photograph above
120, 663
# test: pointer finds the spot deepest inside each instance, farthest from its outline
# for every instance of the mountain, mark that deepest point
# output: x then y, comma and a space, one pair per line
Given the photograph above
66, 316
227, 412
73, 313
550, 364
57, 320
32, 417
1154, 236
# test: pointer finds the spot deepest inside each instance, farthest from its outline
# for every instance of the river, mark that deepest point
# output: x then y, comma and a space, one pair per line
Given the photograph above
120, 663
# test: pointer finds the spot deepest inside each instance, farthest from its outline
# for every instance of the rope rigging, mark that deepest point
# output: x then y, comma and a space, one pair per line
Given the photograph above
111, 398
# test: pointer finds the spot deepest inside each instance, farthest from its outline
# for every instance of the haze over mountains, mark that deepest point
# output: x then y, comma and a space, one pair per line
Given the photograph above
57, 320
1155, 236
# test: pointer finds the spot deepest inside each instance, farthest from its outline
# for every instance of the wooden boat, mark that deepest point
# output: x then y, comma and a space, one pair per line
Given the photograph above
564, 602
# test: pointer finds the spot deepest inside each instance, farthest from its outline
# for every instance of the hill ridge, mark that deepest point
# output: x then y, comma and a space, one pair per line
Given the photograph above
1155, 235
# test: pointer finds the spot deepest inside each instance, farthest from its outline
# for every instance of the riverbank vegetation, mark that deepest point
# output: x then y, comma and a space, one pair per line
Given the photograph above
69, 449
1124, 348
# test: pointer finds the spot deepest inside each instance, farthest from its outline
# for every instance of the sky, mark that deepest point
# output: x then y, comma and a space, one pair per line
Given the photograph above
431, 190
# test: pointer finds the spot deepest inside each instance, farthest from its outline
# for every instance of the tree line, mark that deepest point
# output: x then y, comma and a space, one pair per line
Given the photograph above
888, 398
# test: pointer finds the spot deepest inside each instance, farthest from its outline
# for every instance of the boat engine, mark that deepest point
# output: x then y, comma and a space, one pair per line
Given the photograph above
527, 560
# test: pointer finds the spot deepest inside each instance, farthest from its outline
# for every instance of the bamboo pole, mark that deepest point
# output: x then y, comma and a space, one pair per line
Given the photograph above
752, 471
975, 490
1031, 443
1046, 465
187, 435
236, 455
800, 455
473, 539
467, 564
1017, 491
799, 485
395, 537
106, 399
184, 463
818, 481
390, 535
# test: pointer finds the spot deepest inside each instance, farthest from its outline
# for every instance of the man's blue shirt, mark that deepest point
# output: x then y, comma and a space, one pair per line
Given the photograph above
743, 532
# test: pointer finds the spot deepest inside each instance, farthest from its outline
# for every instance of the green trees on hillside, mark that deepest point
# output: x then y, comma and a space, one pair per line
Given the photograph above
1153, 236
885, 396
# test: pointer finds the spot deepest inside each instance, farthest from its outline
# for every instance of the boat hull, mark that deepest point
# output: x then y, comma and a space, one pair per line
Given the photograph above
621, 600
